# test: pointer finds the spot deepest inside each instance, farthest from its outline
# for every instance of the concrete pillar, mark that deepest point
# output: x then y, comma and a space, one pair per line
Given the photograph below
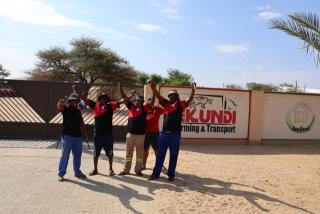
256, 117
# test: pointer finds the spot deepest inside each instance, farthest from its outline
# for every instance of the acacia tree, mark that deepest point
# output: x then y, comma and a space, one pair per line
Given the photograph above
3, 72
156, 78
305, 26
262, 87
175, 77
86, 62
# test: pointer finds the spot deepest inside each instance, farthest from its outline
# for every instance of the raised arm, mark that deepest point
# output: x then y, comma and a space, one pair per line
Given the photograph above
153, 99
122, 94
189, 100
61, 105
83, 101
120, 101
155, 91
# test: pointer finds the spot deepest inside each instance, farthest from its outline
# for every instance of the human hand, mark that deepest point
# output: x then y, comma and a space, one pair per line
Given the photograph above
194, 85
61, 101
151, 83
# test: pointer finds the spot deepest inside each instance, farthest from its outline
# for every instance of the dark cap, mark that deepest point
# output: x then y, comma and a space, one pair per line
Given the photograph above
73, 96
103, 95
140, 97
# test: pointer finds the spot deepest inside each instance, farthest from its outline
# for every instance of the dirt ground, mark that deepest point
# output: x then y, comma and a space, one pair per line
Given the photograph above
210, 179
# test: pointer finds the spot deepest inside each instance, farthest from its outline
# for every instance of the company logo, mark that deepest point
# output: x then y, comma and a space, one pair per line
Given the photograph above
214, 109
210, 114
300, 118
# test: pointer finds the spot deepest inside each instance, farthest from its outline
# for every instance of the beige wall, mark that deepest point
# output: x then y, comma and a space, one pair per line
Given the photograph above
257, 120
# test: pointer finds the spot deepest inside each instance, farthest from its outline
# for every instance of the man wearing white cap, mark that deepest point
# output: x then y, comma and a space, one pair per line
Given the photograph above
171, 131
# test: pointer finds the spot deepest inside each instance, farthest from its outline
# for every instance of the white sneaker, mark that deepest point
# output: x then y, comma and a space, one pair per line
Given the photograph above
61, 179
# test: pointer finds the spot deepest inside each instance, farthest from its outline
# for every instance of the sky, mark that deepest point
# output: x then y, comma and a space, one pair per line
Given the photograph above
217, 42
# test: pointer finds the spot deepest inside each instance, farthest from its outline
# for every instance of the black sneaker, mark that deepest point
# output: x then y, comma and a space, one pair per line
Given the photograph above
151, 178
123, 173
93, 172
81, 175
111, 172
171, 179
139, 174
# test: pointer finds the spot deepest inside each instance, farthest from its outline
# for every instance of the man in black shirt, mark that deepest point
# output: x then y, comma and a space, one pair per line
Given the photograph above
71, 138
171, 131
103, 113
136, 132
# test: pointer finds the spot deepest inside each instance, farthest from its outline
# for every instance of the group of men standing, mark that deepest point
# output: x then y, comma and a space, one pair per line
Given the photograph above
143, 130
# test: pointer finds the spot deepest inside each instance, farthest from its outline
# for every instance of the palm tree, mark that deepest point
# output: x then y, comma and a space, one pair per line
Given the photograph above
305, 26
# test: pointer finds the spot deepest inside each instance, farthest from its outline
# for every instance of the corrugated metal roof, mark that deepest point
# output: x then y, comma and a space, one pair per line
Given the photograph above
14, 108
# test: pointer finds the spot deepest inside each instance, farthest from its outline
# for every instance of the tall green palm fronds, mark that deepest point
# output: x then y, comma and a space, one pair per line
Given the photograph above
305, 26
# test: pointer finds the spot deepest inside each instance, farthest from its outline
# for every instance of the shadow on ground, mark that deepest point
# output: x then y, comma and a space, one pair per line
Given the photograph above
123, 193
209, 186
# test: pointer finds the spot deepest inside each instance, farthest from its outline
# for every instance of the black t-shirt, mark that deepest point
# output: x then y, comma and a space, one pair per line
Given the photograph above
103, 116
137, 119
72, 118
173, 115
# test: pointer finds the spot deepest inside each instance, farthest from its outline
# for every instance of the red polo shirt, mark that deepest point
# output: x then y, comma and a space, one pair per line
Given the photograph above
153, 116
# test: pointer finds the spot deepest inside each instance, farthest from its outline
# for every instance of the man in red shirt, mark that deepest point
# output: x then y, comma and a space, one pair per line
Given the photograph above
136, 131
171, 131
103, 109
152, 130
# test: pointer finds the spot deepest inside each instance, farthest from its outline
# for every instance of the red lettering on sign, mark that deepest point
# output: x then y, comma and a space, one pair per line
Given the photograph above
209, 116
190, 116
201, 116
234, 117
227, 117
216, 117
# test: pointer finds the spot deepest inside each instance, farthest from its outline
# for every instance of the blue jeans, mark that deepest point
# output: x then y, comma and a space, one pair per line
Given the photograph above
69, 144
171, 140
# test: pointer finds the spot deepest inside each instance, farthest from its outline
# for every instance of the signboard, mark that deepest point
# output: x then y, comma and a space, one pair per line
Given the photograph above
214, 113
291, 117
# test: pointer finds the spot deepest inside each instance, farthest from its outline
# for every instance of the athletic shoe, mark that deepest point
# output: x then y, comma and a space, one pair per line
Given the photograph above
139, 174
152, 178
80, 175
123, 173
111, 172
61, 179
170, 178
93, 172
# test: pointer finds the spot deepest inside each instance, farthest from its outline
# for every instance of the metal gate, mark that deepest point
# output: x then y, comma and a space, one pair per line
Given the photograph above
28, 108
